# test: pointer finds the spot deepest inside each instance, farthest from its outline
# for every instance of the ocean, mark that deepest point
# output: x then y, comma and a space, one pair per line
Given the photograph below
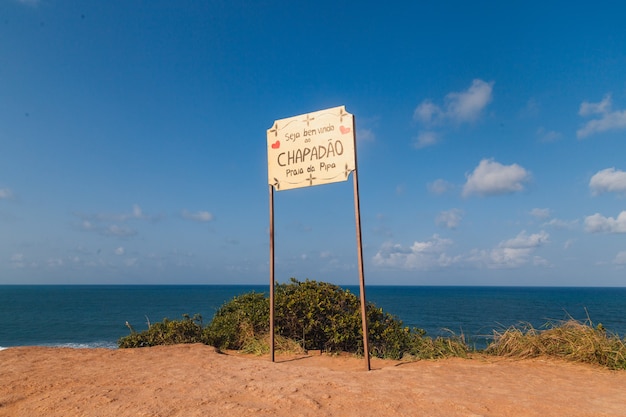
95, 316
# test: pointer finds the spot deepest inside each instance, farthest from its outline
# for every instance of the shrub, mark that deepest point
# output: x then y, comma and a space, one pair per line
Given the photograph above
308, 315
167, 332
239, 321
388, 338
322, 316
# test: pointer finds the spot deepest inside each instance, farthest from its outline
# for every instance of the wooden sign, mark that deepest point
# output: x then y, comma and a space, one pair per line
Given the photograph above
311, 149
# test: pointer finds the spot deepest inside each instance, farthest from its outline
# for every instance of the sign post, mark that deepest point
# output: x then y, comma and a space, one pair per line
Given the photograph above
313, 149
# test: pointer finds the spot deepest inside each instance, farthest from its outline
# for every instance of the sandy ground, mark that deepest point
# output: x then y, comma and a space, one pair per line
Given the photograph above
194, 380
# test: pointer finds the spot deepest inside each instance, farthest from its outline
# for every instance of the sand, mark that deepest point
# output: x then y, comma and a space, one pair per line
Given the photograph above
195, 380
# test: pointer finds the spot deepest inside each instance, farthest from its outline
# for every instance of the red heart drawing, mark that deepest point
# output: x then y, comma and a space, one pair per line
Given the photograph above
344, 130
276, 145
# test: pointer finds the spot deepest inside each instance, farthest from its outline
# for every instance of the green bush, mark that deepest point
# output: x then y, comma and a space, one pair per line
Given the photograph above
239, 321
388, 338
167, 332
316, 315
319, 315
322, 316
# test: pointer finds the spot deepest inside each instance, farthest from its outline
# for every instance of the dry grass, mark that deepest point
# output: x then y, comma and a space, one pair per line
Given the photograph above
261, 345
570, 340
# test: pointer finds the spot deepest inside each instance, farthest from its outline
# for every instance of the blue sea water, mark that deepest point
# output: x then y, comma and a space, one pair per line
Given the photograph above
95, 316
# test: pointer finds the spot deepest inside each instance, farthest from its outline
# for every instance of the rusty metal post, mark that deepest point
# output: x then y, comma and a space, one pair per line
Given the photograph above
357, 213
272, 272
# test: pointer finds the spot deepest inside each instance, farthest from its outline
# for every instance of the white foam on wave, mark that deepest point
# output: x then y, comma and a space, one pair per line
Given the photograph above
90, 345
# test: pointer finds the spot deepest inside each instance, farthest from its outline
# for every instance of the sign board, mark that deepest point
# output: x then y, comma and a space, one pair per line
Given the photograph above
311, 149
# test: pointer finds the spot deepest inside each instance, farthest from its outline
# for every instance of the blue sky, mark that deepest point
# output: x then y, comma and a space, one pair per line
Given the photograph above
491, 141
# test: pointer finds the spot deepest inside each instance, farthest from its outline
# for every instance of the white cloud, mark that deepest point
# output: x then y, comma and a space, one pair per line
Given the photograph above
459, 107
513, 253
612, 121
433, 253
366, 135
428, 113
119, 251
130, 262
466, 106
548, 135
135, 214
18, 260
107, 230
449, 219
199, 216
119, 231
608, 119
6, 194
419, 256
597, 223
492, 178
55, 262
539, 213
425, 139
603, 107
108, 224
17, 257
561, 224
440, 186
620, 258
87, 225
545, 213
531, 109
539, 261
608, 180
524, 241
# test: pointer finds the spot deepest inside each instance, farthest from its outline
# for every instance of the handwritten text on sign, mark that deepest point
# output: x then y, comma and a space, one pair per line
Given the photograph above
311, 149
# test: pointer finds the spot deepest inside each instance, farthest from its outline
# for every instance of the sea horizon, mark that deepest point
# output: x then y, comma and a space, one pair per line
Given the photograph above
340, 285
